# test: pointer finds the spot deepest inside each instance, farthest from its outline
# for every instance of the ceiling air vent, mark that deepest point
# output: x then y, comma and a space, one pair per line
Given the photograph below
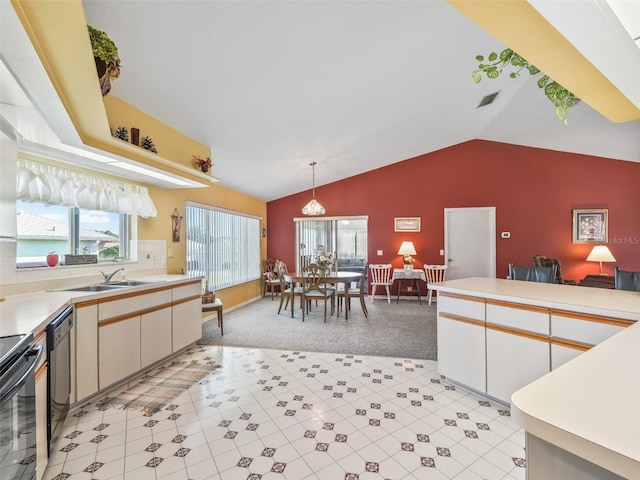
488, 99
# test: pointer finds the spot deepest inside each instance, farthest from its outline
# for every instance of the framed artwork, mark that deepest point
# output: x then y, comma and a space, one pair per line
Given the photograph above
590, 226
406, 224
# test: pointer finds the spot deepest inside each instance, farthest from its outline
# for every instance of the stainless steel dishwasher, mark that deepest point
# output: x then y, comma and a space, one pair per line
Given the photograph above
59, 378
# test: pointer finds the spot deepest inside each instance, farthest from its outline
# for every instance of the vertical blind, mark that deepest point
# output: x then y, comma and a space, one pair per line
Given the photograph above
222, 246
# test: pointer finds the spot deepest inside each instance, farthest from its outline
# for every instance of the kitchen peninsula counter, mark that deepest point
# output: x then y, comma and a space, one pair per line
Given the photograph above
594, 301
579, 414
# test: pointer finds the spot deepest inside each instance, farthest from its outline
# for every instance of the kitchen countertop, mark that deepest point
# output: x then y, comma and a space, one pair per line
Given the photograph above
31, 312
588, 405
594, 301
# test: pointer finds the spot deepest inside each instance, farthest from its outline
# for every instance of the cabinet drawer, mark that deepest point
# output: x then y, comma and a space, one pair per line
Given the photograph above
589, 329
461, 305
186, 291
521, 317
136, 302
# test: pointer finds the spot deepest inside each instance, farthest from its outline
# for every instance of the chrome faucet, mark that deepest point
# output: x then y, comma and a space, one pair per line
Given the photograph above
109, 276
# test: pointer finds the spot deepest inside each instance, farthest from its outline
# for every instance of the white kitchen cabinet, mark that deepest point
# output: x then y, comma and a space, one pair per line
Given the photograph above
514, 359
562, 352
518, 350
573, 333
119, 349
84, 351
187, 314
155, 335
518, 316
111, 307
42, 404
9, 149
461, 340
187, 323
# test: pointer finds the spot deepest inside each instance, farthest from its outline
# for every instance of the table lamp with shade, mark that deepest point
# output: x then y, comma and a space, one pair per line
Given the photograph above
601, 253
406, 250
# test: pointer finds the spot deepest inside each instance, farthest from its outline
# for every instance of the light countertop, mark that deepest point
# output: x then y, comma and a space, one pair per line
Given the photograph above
31, 312
589, 405
594, 301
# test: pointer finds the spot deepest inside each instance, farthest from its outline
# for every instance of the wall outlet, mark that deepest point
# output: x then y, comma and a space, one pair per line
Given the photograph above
170, 252
379, 253
505, 234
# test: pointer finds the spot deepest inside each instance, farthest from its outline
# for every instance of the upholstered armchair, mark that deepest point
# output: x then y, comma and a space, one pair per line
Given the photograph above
542, 261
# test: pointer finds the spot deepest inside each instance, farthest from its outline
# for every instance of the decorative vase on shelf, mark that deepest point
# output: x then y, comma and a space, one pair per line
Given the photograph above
408, 266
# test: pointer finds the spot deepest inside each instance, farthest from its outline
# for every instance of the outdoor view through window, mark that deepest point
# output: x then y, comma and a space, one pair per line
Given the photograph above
44, 229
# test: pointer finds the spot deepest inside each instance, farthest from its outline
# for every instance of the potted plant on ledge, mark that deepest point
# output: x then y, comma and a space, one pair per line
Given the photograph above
106, 57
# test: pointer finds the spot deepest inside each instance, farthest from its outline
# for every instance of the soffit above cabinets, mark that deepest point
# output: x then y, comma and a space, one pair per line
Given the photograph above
32, 113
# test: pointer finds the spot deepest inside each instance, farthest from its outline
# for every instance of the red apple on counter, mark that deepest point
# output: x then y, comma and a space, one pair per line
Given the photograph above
52, 259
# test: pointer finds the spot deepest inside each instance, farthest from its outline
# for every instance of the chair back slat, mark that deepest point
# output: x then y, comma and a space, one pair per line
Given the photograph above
314, 280
435, 273
380, 273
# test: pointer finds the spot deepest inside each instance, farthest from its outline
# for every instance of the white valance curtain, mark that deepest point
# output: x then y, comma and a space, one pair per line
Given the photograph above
41, 182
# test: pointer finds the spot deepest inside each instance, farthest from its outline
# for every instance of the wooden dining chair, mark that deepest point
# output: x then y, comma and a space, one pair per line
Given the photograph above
272, 282
381, 276
286, 288
435, 274
357, 292
314, 288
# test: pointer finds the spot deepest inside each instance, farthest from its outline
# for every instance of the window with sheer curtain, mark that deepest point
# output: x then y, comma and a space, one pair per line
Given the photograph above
222, 246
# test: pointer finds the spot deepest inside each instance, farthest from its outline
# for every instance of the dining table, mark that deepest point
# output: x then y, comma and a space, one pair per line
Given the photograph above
332, 278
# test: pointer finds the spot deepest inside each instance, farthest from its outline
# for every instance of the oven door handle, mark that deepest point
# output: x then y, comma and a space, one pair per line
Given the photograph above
21, 370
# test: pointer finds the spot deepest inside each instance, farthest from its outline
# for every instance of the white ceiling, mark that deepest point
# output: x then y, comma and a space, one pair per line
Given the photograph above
354, 85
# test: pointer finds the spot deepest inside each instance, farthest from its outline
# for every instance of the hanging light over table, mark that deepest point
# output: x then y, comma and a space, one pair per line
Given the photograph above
313, 208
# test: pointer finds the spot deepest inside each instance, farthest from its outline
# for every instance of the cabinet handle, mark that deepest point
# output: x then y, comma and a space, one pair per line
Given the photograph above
519, 333
459, 318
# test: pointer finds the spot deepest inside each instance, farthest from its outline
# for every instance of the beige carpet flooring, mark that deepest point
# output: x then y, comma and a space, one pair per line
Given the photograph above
405, 330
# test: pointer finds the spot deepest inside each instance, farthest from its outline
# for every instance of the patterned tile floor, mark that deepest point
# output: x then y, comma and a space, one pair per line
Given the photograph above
270, 414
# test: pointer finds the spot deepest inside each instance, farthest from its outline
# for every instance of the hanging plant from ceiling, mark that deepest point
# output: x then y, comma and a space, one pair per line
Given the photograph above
562, 98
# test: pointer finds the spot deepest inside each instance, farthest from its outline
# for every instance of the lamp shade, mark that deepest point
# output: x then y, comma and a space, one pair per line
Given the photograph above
601, 253
313, 208
407, 248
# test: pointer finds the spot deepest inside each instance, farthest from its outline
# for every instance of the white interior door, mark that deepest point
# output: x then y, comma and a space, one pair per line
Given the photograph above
470, 242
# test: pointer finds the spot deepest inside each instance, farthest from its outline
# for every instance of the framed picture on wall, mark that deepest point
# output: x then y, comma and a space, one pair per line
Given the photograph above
406, 224
590, 226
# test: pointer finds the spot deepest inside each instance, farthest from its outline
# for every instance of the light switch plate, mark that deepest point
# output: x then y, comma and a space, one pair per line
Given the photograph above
379, 253
442, 253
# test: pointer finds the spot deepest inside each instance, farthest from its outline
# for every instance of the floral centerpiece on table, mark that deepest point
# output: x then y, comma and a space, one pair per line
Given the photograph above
204, 164
323, 258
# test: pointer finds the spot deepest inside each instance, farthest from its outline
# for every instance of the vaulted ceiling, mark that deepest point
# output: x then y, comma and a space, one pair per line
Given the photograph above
274, 85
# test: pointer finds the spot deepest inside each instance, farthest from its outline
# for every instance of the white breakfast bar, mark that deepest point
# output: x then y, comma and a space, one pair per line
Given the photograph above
566, 358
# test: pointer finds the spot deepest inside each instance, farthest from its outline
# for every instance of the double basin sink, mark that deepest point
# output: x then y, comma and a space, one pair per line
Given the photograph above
101, 287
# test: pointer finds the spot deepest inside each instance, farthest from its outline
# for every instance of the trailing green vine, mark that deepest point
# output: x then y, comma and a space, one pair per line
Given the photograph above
562, 98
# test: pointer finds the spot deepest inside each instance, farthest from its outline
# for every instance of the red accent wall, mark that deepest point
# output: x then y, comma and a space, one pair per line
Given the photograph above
534, 192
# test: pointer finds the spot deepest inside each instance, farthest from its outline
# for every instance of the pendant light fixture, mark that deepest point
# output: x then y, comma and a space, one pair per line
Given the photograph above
313, 208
